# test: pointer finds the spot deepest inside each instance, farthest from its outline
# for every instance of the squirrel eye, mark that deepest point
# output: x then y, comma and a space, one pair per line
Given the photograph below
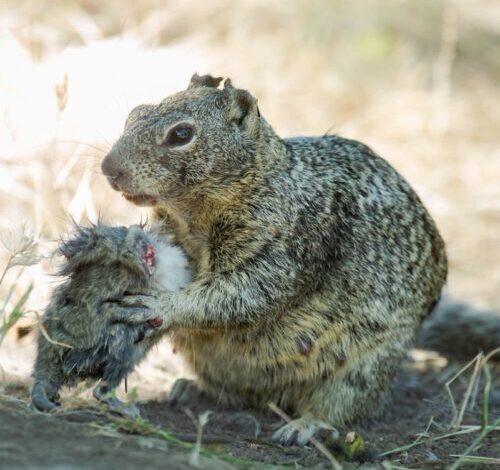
179, 135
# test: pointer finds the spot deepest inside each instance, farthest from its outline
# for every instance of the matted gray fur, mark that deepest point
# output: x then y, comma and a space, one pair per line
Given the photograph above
101, 264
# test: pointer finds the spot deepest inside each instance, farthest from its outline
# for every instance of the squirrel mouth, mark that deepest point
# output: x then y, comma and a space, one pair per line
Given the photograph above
141, 199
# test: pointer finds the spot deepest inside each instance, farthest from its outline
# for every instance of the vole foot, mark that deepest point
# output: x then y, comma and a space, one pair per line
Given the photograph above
185, 392
129, 411
44, 396
300, 431
106, 395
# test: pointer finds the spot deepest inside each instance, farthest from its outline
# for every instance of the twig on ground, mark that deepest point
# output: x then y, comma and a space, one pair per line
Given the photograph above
458, 416
46, 334
333, 461
194, 459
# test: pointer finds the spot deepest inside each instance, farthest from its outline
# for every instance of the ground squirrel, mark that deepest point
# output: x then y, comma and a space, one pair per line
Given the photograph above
314, 262
101, 264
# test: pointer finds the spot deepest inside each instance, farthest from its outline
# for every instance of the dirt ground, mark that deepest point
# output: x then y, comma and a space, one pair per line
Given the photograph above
81, 437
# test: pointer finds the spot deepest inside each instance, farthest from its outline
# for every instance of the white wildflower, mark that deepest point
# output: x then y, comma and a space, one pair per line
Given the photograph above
22, 247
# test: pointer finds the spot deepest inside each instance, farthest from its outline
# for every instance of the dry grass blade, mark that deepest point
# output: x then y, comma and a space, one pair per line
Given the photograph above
485, 428
462, 459
458, 415
333, 461
194, 459
480, 364
470, 387
467, 430
490, 355
417, 441
10, 292
476, 459
46, 335
61, 90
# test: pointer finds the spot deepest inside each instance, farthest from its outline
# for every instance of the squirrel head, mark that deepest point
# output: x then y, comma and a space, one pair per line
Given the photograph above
196, 140
130, 247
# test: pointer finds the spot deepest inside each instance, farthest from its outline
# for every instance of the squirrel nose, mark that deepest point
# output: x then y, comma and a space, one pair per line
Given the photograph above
111, 168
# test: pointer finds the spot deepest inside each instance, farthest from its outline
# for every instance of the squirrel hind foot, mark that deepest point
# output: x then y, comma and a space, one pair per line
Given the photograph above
300, 431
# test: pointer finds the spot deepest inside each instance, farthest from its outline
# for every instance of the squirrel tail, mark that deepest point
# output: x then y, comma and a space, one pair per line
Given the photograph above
459, 331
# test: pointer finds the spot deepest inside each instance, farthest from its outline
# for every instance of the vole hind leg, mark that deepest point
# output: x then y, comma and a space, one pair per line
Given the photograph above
105, 393
44, 395
119, 364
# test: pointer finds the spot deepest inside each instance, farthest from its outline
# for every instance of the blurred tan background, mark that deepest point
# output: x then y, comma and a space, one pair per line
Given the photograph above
418, 80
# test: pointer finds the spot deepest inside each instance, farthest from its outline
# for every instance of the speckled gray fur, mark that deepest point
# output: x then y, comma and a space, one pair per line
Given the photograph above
314, 261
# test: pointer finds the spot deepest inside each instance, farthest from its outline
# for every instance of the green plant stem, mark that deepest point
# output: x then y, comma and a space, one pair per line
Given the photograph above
484, 432
16, 313
486, 397
7, 267
11, 291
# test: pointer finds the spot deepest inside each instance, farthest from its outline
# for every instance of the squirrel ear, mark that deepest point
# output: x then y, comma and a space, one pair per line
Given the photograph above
243, 109
204, 81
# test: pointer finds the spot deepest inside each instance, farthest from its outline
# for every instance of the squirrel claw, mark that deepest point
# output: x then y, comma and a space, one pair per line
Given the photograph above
300, 431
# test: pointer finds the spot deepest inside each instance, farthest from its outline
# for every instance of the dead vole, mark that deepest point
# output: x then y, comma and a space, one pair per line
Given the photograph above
88, 338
